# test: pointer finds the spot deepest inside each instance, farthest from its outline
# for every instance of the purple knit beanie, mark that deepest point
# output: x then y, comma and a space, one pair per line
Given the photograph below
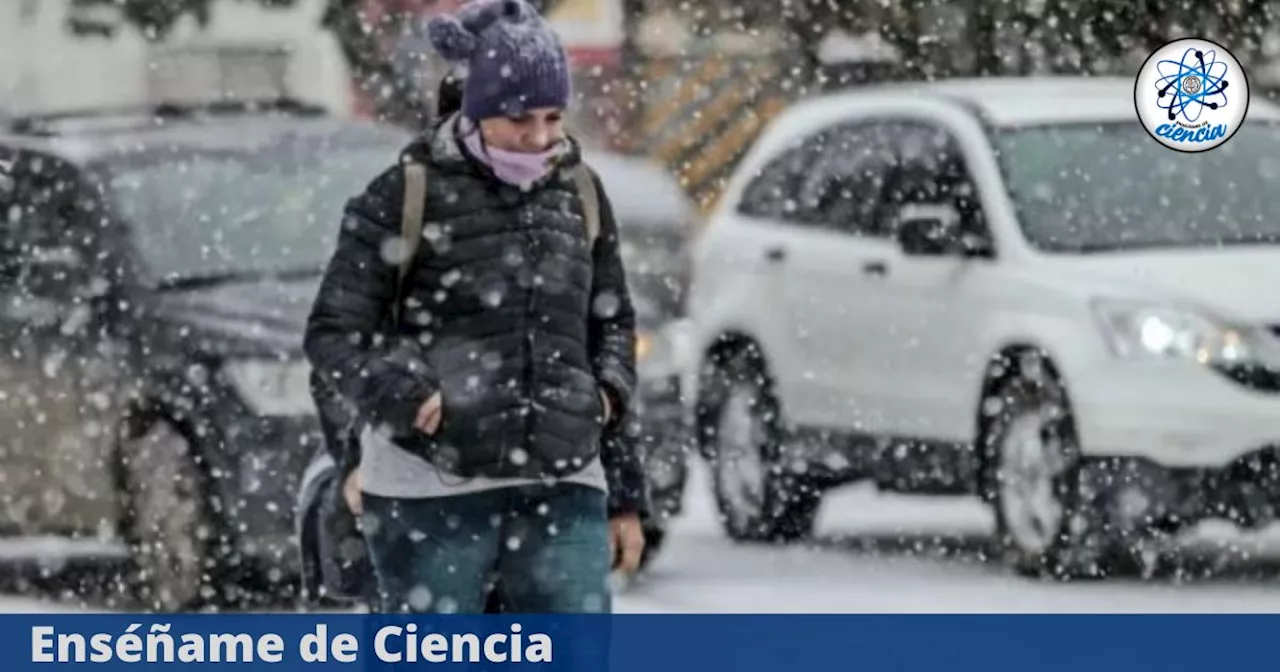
515, 62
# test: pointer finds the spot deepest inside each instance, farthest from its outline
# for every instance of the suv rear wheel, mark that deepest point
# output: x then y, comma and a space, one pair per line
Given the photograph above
759, 497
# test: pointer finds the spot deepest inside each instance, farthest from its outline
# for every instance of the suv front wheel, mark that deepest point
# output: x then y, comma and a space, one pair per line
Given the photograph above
1049, 521
760, 498
167, 523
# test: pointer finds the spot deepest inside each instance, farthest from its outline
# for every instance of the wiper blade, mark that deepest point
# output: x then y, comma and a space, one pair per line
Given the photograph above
236, 276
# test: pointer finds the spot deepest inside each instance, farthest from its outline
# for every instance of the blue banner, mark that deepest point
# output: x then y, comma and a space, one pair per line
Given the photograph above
640, 643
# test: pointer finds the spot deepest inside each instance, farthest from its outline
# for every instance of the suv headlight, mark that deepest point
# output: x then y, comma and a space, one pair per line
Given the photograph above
272, 387
1137, 329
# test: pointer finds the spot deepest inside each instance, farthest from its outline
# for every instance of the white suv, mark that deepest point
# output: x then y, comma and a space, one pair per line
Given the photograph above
998, 287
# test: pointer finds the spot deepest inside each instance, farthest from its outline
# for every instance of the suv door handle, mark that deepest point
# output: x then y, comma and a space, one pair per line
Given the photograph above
877, 268
776, 253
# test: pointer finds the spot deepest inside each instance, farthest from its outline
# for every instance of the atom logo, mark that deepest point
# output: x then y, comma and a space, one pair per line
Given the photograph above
1190, 112
1188, 86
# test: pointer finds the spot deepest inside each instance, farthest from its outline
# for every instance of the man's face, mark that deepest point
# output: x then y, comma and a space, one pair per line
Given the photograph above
529, 133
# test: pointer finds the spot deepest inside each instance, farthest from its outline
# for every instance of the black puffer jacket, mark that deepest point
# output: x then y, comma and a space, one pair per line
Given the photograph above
508, 312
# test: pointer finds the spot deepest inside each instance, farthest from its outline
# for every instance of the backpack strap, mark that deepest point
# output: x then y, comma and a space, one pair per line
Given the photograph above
590, 200
411, 214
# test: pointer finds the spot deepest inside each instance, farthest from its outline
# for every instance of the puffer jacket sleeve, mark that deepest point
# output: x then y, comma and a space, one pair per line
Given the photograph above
346, 341
624, 471
613, 356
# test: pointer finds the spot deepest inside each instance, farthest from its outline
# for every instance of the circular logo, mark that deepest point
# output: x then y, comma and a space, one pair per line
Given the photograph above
1191, 95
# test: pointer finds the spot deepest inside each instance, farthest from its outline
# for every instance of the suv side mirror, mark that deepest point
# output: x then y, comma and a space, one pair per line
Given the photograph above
929, 230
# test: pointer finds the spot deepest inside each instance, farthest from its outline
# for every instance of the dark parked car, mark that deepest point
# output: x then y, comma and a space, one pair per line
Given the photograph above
656, 218
156, 269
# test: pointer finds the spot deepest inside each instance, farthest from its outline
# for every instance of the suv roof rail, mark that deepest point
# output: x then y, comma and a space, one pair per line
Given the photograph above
131, 117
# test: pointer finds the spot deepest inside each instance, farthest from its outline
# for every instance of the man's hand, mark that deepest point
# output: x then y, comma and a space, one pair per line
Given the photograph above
430, 415
351, 492
626, 542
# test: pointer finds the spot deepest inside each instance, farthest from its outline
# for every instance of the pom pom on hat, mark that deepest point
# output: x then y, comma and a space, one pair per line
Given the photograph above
451, 39
455, 37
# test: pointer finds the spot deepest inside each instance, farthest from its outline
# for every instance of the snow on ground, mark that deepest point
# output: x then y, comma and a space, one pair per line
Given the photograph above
12, 604
880, 553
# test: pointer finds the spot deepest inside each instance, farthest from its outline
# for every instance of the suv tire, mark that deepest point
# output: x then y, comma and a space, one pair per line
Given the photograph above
1048, 523
739, 428
167, 521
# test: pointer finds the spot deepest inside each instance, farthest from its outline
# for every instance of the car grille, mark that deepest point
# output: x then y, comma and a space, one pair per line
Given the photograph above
1252, 376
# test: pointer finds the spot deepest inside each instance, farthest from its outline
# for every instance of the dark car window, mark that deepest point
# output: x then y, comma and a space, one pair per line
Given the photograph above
775, 191
211, 213
845, 183
46, 241
930, 170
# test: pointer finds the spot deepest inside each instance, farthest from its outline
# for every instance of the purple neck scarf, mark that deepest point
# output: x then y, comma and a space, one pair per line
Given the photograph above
516, 168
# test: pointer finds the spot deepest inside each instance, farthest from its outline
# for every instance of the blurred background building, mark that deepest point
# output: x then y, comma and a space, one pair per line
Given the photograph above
58, 55
62, 54
689, 83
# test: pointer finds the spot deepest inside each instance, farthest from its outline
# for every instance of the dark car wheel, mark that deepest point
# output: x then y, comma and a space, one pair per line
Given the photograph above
1047, 523
739, 428
167, 520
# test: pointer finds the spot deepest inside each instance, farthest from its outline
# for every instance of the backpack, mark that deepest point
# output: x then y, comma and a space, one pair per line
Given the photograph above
415, 200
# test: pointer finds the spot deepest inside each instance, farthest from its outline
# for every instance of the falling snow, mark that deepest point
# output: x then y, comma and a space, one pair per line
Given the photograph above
1069, 288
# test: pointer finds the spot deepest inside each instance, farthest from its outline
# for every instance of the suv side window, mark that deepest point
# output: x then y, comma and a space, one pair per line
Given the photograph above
845, 184
774, 193
932, 169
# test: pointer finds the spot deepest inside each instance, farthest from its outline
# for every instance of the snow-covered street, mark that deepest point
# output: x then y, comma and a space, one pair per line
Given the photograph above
880, 553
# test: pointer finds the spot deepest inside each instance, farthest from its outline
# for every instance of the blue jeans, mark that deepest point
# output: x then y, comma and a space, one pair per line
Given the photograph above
546, 547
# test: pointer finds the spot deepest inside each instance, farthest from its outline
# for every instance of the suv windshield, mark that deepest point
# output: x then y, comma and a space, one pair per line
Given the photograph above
212, 214
1090, 188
